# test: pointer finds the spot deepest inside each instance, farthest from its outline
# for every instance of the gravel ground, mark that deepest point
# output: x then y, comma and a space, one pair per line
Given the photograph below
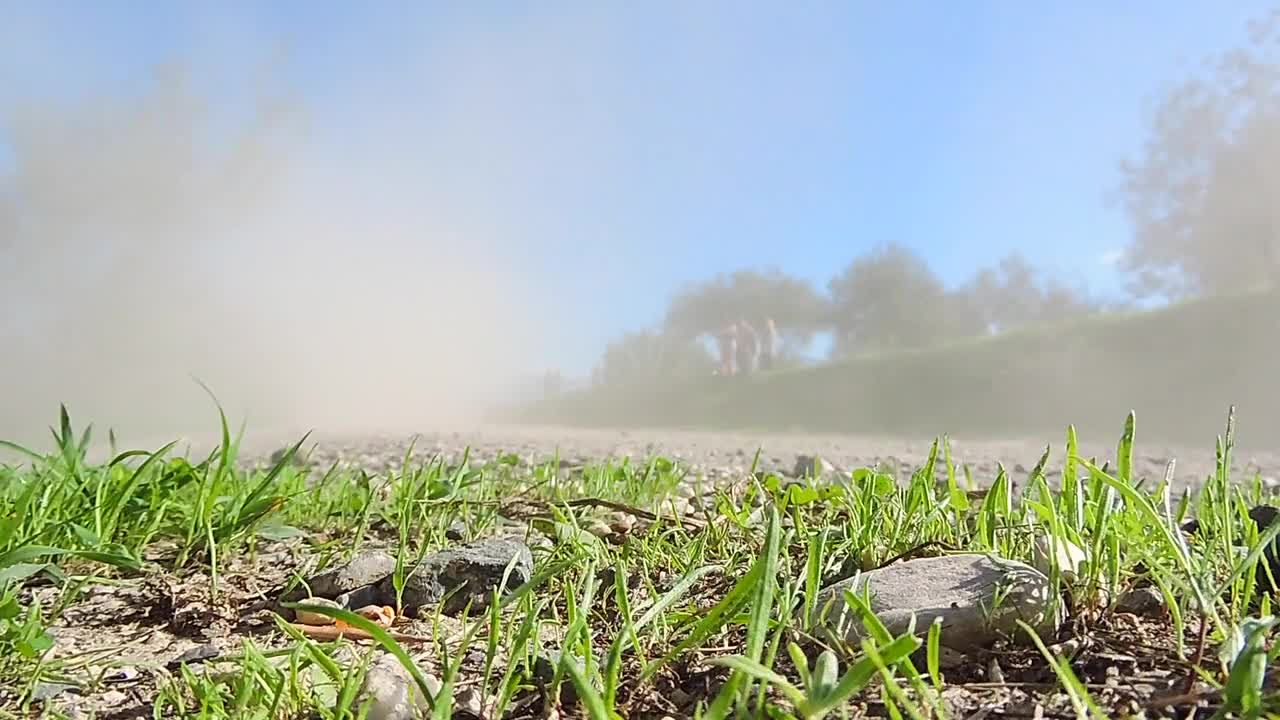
720, 453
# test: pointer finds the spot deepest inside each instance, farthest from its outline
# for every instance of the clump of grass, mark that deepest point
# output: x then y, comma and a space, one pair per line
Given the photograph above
716, 610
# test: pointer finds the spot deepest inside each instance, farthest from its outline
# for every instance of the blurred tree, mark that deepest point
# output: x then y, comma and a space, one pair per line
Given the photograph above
796, 306
890, 299
1060, 302
1201, 195
1015, 294
650, 358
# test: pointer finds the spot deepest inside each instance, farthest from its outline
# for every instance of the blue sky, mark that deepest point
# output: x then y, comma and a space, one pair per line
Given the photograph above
617, 151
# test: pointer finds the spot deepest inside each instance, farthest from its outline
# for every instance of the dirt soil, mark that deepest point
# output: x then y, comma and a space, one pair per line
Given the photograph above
734, 451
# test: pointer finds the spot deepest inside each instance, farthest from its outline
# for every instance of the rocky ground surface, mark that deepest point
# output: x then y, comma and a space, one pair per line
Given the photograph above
149, 629
717, 454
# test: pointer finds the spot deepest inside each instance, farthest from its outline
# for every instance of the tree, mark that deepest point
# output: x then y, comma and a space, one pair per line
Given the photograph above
1015, 294
1060, 302
796, 306
891, 299
1201, 195
648, 358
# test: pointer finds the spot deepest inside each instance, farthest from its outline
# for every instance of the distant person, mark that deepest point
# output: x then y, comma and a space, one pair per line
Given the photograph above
769, 348
727, 340
748, 347
552, 384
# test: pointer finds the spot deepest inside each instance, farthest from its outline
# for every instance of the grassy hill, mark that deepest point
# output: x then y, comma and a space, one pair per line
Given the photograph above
1179, 367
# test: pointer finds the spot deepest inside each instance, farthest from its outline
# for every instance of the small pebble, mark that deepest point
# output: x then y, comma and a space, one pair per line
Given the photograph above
466, 703
123, 675
623, 523
994, 673
396, 695
680, 697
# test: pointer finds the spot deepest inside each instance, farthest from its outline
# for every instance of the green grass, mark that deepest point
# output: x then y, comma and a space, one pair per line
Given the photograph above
1175, 366
710, 609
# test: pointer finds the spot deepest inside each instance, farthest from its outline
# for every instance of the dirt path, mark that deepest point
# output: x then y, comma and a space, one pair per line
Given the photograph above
733, 451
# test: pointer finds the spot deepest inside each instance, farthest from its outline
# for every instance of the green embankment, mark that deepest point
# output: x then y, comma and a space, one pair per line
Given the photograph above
1179, 367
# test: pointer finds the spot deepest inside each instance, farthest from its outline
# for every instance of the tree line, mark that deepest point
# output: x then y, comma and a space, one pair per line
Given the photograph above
1199, 196
888, 299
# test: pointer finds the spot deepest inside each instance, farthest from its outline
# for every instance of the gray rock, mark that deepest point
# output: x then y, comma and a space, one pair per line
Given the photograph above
365, 569
298, 460
979, 597
395, 694
806, 466
468, 705
1141, 601
363, 596
198, 654
474, 570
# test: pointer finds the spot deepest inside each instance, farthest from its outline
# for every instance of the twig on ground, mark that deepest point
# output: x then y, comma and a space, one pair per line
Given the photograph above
621, 507
333, 632
1181, 699
524, 510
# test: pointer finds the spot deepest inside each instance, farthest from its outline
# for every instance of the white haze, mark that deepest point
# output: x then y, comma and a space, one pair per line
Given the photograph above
366, 278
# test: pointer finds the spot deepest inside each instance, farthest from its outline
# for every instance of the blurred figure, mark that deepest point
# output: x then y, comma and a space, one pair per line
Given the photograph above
748, 347
552, 384
728, 342
769, 349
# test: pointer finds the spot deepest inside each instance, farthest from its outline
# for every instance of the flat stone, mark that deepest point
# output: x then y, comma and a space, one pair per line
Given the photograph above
474, 570
367, 568
979, 597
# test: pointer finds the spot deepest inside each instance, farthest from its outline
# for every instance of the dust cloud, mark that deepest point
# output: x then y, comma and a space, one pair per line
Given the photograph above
385, 226
157, 234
